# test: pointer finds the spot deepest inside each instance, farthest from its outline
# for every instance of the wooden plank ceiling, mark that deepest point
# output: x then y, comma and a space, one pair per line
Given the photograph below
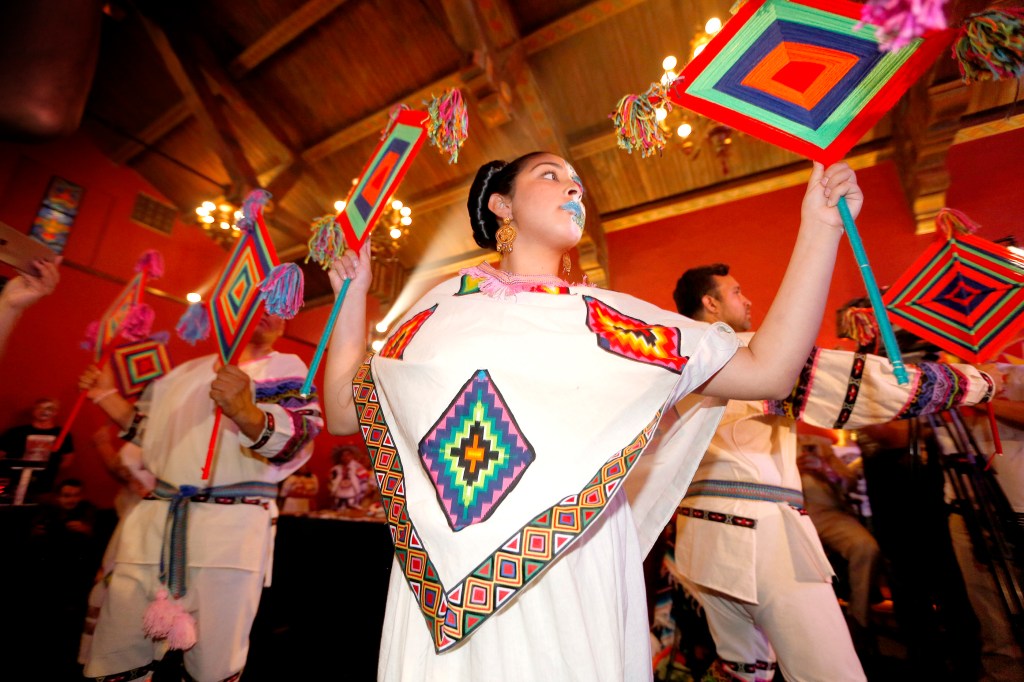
209, 99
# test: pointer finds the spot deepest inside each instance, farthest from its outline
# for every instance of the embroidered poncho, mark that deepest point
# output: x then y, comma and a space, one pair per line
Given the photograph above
502, 428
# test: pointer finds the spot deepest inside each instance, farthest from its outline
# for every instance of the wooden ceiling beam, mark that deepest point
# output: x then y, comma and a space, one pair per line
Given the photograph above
925, 124
375, 122
577, 21
290, 28
152, 133
178, 57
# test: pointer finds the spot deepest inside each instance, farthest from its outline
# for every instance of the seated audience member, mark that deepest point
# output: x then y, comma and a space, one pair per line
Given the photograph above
823, 477
298, 492
33, 442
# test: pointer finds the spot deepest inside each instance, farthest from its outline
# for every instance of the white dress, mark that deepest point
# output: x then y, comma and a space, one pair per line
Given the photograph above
506, 434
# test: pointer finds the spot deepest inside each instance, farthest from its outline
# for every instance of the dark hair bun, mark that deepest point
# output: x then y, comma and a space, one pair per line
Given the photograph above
484, 222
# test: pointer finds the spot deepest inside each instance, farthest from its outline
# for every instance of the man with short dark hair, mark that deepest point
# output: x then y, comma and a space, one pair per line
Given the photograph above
745, 547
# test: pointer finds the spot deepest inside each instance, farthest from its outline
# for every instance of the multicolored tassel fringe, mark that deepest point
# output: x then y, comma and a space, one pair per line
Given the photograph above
251, 208
859, 324
900, 22
448, 126
952, 222
194, 325
636, 123
327, 242
990, 45
152, 263
282, 290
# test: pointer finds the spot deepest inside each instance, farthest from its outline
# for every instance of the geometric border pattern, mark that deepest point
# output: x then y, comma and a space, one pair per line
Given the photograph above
454, 613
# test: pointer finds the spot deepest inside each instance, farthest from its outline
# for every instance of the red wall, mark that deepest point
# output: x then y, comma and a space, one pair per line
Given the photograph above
755, 235
44, 357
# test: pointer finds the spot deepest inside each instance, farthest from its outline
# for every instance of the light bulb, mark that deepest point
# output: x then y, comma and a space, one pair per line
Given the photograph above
684, 130
406, 211
202, 210
225, 226
660, 113
381, 327
395, 233
700, 48
668, 63
209, 205
239, 215
406, 220
377, 345
713, 26
235, 228
193, 297
339, 205
397, 205
207, 219
225, 208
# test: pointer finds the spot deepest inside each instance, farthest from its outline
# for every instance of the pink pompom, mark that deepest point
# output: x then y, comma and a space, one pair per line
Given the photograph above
138, 323
900, 22
92, 332
152, 263
182, 634
160, 615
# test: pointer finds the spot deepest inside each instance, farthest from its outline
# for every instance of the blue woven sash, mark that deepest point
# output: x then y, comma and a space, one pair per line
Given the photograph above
172, 555
747, 491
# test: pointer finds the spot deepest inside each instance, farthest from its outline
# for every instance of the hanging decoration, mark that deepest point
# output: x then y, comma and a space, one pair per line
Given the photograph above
446, 125
251, 277
809, 77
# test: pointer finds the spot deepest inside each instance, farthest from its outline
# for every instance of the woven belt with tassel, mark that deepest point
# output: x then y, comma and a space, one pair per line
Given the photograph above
172, 554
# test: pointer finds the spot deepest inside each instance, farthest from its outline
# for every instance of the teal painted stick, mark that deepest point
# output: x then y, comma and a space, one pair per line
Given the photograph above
884, 327
318, 356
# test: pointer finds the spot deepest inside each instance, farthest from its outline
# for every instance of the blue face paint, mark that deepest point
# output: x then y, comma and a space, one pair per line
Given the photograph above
579, 213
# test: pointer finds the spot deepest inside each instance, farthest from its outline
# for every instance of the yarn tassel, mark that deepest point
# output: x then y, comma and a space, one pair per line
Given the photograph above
282, 290
159, 615
165, 618
194, 325
900, 22
182, 634
152, 263
952, 222
393, 119
448, 126
252, 206
138, 323
990, 45
327, 242
636, 122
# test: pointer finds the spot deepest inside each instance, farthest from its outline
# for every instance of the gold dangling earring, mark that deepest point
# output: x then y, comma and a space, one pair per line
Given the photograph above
566, 264
505, 236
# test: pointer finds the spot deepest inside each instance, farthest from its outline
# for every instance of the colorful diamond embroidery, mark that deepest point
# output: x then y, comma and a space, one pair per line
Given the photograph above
475, 453
400, 340
234, 301
620, 334
453, 614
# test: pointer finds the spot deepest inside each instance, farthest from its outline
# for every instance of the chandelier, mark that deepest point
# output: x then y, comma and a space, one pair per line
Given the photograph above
218, 220
693, 132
